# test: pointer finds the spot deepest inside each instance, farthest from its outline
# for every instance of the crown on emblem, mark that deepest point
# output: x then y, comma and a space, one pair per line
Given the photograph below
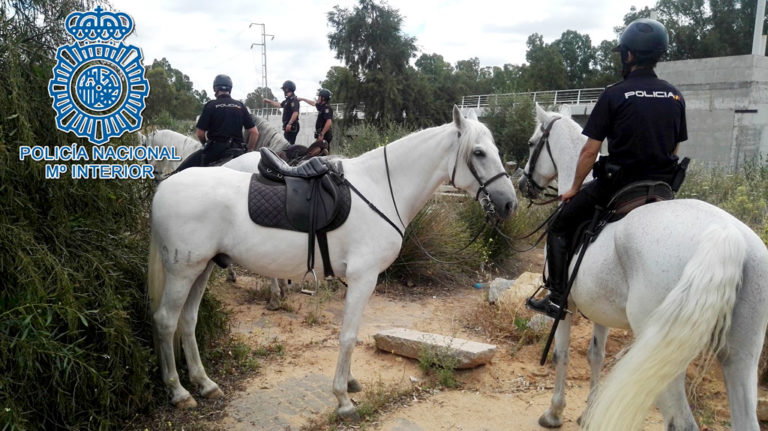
99, 25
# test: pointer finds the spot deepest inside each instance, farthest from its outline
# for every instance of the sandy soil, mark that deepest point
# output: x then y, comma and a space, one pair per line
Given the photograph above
289, 392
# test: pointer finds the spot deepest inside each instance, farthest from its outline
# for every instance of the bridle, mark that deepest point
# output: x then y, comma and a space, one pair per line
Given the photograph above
485, 201
540, 146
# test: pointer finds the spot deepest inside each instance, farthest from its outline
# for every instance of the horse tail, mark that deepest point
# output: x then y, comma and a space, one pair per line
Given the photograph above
696, 314
155, 281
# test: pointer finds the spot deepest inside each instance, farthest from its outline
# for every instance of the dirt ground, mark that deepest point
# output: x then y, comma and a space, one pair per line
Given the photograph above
292, 391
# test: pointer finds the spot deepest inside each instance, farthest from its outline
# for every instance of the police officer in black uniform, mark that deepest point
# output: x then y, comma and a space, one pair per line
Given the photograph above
220, 128
290, 111
324, 123
643, 118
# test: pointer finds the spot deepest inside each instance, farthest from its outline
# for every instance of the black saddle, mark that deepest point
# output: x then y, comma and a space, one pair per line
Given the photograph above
275, 168
313, 197
628, 198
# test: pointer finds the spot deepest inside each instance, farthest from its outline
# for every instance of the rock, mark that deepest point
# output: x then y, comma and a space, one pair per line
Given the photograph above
520, 290
762, 409
540, 322
413, 344
497, 287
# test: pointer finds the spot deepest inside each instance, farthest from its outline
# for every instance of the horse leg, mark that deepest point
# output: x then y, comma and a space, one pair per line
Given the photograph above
187, 325
595, 357
231, 274
673, 405
166, 319
553, 417
739, 360
358, 294
276, 293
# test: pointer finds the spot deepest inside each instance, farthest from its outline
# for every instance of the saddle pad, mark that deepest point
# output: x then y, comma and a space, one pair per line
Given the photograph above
266, 203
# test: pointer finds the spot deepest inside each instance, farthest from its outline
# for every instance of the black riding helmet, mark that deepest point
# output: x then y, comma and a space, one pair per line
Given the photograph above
222, 82
644, 37
325, 94
288, 85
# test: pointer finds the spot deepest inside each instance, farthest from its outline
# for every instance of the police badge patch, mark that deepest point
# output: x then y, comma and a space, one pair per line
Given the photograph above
98, 85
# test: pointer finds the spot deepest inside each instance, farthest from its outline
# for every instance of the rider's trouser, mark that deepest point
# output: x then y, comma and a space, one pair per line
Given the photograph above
573, 213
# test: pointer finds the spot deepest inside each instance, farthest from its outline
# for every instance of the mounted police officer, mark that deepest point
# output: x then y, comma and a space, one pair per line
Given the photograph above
220, 128
324, 123
290, 111
643, 118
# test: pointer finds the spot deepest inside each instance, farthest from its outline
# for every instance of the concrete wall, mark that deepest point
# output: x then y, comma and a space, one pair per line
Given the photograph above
307, 120
727, 106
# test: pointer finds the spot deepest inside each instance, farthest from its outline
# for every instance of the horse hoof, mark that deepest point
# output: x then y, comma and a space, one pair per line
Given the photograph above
271, 306
348, 414
353, 386
547, 421
186, 404
214, 394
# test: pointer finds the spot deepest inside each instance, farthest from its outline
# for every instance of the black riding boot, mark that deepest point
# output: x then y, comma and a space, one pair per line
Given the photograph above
557, 262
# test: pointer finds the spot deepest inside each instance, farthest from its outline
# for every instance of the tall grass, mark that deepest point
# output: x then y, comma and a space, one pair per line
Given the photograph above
74, 334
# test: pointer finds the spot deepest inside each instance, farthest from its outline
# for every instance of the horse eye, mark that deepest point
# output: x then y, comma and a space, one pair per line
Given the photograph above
479, 153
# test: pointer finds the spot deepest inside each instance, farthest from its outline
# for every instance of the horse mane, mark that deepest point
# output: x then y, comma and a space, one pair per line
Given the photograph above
269, 136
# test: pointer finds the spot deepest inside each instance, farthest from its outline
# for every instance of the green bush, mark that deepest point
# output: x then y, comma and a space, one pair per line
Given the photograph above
360, 138
511, 122
743, 193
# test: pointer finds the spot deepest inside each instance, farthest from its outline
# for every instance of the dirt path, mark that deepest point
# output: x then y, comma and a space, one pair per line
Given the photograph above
509, 394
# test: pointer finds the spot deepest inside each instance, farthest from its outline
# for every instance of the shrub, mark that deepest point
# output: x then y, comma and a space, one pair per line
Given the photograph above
74, 334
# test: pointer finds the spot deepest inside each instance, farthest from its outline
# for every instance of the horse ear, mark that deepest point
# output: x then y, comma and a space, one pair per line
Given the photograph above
565, 111
457, 117
472, 115
541, 115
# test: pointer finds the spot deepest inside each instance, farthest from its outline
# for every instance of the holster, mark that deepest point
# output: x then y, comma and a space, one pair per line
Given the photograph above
679, 175
604, 170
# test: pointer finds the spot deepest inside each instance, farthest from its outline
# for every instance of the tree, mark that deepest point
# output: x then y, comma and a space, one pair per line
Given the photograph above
511, 122
369, 40
171, 92
343, 84
578, 55
546, 67
255, 99
700, 29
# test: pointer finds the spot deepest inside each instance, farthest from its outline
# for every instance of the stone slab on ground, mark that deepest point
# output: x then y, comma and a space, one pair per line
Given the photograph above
412, 344
286, 406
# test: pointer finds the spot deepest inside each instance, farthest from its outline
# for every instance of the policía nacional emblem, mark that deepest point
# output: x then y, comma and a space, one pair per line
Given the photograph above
98, 85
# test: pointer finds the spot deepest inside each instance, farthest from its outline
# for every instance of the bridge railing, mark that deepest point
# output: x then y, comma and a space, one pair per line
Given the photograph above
551, 97
338, 110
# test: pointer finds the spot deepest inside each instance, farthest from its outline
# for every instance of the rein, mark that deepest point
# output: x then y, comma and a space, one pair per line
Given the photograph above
485, 200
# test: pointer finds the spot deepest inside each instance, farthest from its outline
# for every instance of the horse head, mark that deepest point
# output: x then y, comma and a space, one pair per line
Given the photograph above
541, 169
478, 169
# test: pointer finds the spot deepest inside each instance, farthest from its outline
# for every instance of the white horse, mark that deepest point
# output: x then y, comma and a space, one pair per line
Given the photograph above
269, 136
164, 138
201, 212
684, 275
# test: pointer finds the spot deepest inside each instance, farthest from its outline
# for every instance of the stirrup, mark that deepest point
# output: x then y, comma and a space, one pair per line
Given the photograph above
306, 291
545, 306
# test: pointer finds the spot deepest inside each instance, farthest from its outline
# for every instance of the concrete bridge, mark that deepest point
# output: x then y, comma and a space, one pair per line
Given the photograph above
580, 101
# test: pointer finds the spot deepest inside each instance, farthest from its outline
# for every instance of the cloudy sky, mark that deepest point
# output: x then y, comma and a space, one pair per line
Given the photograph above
203, 38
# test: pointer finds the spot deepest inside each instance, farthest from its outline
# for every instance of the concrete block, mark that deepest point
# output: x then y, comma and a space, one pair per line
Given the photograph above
412, 344
762, 409
524, 286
